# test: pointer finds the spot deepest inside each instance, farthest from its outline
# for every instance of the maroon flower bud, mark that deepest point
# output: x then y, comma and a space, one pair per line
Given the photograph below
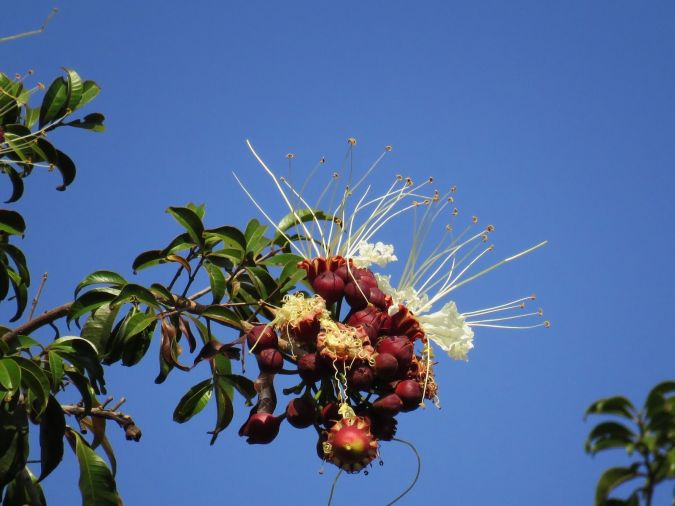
386, 366
410, 393
301, 412
270, 361
400, 347
306, 330
356, 294
361, 377
262, 337
377, 298
329, 414
260, 428
389, 404
329, 286
369, 319
311, 367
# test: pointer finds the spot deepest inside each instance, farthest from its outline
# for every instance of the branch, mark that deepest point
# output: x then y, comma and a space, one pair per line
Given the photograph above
45, 318
31, 32
131, 430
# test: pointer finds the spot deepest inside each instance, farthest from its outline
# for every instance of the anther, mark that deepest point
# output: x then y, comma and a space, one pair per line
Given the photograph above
323, 160
388, 148
335, 175
290, 156
282, 179
31, 72
352, 141
484, 237
490, 228
491, 247
451, 200
399, 177
547, 324
455, 211
540, 312
474, 219
453, 189
17, 77
41, 86
533, 296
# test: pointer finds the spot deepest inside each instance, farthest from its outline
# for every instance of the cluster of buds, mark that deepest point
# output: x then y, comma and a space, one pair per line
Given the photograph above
357, 372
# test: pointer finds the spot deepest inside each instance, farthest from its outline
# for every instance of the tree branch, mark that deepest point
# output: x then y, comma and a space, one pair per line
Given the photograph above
131, 430
39, 321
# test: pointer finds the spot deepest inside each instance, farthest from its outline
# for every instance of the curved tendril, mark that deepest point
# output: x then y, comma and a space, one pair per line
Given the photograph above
332, 489
417, 474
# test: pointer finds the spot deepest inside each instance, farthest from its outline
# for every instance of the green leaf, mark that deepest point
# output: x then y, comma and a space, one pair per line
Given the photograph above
612, 406
138, 323
75, 87
52, 430
193, 401
89, 91
91, 301
34, 379
282, 259
179, 243
16, 180
242, 384
222, 315
190, 220
93, 122
20, 294
300, 216
148, 259
54, 102
134, 293
217, 281
97, 483
10, 374
12, 222
31, 116
83, 355
24, 489
19, 260
224, 393
162, 294
98, 327
656, 399
611, 479
101, 277
609, 435
55, 369
254, 236
232, 237
136, 345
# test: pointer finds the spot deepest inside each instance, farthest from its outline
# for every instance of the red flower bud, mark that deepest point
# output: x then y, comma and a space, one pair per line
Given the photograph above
389, 404
386, 366
270, 361
369, 319
361, 377
262, 337
260, 428
301, 412
311, 367
400, 347
329, 414
329, 286
410, 393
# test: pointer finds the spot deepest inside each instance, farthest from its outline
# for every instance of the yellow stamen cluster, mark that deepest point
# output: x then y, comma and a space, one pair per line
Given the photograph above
343, 343
297, 308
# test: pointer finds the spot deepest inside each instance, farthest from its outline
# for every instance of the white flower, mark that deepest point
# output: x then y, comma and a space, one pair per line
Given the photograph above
449, 330
379, 253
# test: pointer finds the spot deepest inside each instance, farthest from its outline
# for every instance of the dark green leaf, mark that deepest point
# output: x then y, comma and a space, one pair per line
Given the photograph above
193, 401
138, 323
91, 301
93, 122
13, 442
55, 369
148, 259
231, 236
97, 484
52, 430
609, 435
282, 259
67, 169
242, 384
84, 387
179, 243
611, 479
656, 400
54, 102
12, 222
101, 277
190, 220
224, 408
296, 218
21, 141
612, 406
24, 490
83, 356
136, 345
19, 260
162, 294
20, 293
32, 115
222, 315
16, 180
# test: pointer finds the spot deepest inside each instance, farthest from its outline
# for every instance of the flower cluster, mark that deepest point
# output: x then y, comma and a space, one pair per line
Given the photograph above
363, 364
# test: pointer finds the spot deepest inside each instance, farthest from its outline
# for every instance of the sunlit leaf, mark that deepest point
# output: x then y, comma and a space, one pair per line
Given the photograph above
101, 277
193, 401
190, 220
97, 484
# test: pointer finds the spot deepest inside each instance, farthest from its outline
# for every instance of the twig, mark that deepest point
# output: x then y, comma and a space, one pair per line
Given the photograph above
37, 295
49, 17
45, 318
131, 430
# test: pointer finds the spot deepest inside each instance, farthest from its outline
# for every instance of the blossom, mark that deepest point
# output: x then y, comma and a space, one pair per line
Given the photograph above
379, 254
449, 330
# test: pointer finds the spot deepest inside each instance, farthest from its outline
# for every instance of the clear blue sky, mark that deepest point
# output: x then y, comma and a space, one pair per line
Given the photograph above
555, 119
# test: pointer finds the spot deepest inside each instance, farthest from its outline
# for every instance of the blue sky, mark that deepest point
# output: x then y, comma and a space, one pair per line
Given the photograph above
554, 119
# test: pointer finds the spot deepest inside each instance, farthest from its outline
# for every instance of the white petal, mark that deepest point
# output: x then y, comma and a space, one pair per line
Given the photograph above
449, 331
379, 254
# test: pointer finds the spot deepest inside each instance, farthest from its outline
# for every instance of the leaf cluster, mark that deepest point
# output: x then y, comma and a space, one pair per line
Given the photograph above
647, 435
